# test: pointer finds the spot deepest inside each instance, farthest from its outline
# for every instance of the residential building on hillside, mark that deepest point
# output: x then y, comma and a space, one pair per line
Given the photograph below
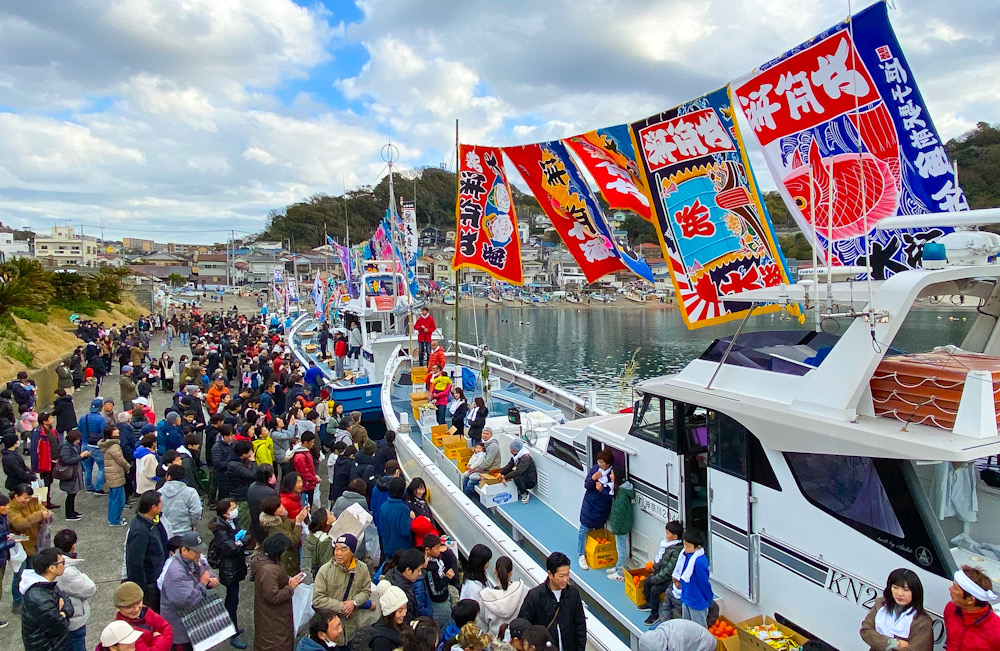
64, 248
164, 259
261, 268
11, 248
188, 249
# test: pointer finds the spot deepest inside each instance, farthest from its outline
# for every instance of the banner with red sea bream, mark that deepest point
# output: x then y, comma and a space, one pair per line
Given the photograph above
849, 141
486, 237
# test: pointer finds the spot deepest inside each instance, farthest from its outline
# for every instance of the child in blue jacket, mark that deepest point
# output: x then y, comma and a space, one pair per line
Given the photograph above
691, 577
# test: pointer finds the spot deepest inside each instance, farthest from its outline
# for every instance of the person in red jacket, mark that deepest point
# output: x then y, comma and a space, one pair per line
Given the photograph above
304, 464
969, 619
436, 356
156, 632
424, 326
291, 494
48, 449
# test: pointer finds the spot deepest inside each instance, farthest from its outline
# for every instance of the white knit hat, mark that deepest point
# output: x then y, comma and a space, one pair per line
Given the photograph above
390, 598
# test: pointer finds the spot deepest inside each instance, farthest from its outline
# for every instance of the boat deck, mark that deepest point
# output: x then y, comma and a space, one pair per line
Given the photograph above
540, 531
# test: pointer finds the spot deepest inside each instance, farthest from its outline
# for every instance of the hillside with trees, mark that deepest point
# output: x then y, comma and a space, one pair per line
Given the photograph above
303, 224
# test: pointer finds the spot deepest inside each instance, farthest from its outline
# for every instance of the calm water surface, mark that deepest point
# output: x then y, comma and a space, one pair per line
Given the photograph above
582, 350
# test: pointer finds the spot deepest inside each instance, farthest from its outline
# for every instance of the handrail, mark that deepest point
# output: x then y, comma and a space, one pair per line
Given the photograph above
491, 353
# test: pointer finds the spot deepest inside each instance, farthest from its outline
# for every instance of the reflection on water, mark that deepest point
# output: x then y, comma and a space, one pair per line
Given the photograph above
582, 350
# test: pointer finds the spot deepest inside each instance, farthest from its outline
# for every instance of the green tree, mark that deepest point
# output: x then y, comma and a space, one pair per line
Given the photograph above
977, 154
24, 283
176, 280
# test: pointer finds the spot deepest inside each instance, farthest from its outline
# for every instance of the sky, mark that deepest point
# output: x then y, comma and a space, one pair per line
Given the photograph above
181, 120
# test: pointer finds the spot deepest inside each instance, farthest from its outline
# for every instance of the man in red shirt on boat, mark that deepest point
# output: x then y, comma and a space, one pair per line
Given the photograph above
424, 325
969, 619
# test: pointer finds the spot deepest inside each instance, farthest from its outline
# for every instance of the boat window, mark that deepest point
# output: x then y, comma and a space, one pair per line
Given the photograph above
564, 452
652, 420
733, 449
694, 421
874, 497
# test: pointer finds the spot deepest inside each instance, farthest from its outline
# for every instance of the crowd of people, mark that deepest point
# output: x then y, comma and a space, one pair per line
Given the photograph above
222, 455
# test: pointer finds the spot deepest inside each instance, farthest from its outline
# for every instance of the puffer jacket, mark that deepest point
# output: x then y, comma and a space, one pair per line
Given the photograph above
43, 626
181, 590
26, 520
181, 507
65, 413
239, 476
92, 425
115, 466
231, 560
501, 606
664, 569
596, 505
80, 589
286, 527
622, 514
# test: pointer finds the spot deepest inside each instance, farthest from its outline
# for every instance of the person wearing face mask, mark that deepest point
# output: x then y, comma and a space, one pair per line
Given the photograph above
325, 629
184, 583
263, 487
225, 553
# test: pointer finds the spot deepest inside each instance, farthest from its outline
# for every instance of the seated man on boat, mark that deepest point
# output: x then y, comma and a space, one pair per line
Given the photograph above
487, 463
521, 470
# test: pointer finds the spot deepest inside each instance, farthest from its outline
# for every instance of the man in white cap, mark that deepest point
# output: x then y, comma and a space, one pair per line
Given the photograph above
118, 636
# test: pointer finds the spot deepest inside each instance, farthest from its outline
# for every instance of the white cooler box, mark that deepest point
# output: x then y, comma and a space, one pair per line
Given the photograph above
493, 495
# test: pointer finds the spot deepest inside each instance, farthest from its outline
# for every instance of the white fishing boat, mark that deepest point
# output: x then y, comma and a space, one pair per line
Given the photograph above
494, 298
572, 298
634, 296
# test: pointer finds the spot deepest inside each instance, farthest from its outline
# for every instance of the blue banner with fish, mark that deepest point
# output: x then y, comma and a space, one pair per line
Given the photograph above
849, 141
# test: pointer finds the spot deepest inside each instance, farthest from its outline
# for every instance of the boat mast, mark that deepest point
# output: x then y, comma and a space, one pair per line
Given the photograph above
458, 167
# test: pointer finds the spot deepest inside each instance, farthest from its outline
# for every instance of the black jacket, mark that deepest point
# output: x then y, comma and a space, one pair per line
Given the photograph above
43, 627
127, 438
382, 456
396, 578
569, 623
255, 494
364, 468
65, 414
232, 563
145, 553
222, 454
477, 424
384, 637
15, 469
524, 466
239, 476
342, 468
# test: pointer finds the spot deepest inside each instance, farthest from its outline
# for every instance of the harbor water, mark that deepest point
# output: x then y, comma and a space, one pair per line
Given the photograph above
583, 349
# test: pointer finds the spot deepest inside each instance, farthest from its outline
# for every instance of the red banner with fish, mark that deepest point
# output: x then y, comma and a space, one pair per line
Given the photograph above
486, 237
849, 141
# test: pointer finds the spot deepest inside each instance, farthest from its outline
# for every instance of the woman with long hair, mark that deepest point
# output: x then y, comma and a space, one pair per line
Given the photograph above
387, 634
291, 493
457, 409
475, 578
421, 635
502, 603
416, 499
897, 620
477, 420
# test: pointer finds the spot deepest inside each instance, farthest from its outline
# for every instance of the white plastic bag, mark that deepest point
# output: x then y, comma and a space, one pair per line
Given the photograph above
17, 557
302, 609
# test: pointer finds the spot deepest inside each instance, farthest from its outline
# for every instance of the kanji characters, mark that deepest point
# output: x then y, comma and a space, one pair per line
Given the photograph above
472, 161
555, 173
933, 162
711, 131
759, 109
895, 73
495, 256
951, 198
659, 150
685, 136
469, 212
472, 184
694, 220
923, 139
835, 77
799, 94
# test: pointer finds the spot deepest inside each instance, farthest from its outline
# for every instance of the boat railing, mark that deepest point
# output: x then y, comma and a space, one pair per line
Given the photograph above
465, 521
480, 351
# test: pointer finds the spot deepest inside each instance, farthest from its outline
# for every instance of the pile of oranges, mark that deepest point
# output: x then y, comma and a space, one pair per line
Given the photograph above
721, 630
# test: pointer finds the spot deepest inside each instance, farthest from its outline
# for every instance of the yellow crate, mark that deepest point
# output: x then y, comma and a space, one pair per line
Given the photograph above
418, 375
600, 554
635, 590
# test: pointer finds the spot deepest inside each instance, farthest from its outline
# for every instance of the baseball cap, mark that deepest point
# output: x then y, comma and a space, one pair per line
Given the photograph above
518, 627
191, 540
119, 632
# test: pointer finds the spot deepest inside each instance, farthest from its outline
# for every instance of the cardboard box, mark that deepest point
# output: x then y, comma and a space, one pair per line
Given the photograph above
750, 642
600, 555
418, 375
633, 590
731, 643
418, 396
487, 480
458, 453
438, 432
494, 495
453, 442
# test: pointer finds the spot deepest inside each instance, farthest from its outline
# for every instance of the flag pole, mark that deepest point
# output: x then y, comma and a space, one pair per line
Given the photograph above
458, 287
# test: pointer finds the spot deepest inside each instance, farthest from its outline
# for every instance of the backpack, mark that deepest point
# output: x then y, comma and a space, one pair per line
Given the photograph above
213, 555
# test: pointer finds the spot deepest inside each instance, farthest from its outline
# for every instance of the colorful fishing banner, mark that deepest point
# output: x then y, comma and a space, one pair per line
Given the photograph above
713, 227
561, 191
486, 237
609, 157
843, 111
317, 298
